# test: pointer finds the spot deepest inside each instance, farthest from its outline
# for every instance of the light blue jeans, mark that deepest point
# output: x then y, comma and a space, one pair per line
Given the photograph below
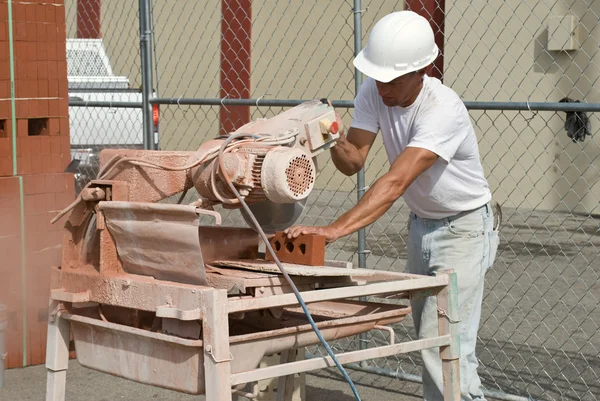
466, 243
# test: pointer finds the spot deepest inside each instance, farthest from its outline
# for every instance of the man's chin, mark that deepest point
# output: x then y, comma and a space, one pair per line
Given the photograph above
389, 102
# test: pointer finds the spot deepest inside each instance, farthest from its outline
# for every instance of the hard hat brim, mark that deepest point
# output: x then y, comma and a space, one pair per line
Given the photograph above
374, 71
387, 74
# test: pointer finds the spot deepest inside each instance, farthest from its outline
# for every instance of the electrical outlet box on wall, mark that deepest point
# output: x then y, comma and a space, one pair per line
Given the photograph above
563, 33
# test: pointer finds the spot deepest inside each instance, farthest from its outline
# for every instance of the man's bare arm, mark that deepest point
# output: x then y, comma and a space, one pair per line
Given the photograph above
378, 199
350, 152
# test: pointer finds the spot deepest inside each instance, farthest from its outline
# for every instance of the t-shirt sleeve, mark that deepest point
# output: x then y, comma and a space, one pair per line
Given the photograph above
441, 130
365, 110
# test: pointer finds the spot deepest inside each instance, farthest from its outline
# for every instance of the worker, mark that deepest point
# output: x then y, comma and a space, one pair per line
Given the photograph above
435, 166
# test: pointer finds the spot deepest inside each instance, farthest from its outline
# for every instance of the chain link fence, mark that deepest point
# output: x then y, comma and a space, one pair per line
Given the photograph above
511, 61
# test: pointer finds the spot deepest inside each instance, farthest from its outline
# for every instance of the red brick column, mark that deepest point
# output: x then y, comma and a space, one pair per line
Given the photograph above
29, 245
88, 19
236, 43
435, 12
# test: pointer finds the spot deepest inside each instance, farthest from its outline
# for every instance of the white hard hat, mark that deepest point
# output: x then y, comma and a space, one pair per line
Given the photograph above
399, 43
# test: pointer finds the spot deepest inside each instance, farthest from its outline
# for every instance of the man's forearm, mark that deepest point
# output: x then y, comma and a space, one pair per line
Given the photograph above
376, 201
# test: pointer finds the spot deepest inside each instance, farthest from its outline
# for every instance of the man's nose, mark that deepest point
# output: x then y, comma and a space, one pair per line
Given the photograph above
381, 88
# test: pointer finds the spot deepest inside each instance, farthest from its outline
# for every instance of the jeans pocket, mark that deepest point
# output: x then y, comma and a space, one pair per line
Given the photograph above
470, 225
494, 241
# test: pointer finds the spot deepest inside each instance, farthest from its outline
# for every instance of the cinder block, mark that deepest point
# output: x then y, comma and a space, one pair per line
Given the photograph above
304, 250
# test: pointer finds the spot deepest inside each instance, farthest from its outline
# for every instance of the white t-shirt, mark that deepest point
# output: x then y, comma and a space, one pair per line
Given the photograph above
437, 121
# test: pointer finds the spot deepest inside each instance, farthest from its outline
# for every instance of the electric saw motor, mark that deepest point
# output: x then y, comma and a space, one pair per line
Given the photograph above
271, 163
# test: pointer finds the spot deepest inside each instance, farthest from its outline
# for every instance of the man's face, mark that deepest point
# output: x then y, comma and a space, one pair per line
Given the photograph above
402, 91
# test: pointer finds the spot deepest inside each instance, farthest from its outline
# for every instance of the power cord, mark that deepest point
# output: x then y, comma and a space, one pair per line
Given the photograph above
285, 274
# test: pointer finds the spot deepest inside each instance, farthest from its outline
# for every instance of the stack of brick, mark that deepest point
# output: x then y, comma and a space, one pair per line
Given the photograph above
29, 199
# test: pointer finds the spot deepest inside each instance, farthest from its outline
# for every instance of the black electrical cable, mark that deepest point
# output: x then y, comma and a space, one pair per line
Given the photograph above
285, 274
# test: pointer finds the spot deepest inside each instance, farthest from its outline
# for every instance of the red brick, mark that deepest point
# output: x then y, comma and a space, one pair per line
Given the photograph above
61, 50
3, 31
43, 88
60, 13
65, 148
53, 124
61, 33
30, 13
63, 106
36, 165
32, 51
65, 145
34, 184
4, 70
23, 165
19, 12
41, 53
20, 31
55, 145
47, 163
42, 68
51, 51
20, 88
31, 32
32, 72
304, 250
45, 145
6, 167
51, 31
63, 88
35, 145
40, 12
5, 147
22, 110
64, 126
4, 106
53, 88
52, 70
43, 108
20, 73
3, 12
61, 67
22, 125
56, 163
53, 108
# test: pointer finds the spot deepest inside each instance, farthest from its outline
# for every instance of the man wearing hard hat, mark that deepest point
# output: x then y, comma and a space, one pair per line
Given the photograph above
435, 166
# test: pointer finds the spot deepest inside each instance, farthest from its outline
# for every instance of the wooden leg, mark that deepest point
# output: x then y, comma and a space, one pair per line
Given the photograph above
285, 384
448, 321
57, 354
215, 335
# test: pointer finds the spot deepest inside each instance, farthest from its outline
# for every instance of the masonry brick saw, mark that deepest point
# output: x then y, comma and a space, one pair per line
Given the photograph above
151, 294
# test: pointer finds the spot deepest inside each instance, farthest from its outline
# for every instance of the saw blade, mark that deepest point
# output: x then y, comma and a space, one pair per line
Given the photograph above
274, 217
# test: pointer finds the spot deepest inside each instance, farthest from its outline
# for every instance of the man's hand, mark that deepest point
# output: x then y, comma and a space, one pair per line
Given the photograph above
329, 232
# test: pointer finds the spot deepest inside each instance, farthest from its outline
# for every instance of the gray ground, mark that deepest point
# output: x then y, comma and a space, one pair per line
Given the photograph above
29, 384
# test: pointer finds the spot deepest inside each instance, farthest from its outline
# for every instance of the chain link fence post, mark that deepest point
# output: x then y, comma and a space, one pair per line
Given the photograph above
150, 143
360, 177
